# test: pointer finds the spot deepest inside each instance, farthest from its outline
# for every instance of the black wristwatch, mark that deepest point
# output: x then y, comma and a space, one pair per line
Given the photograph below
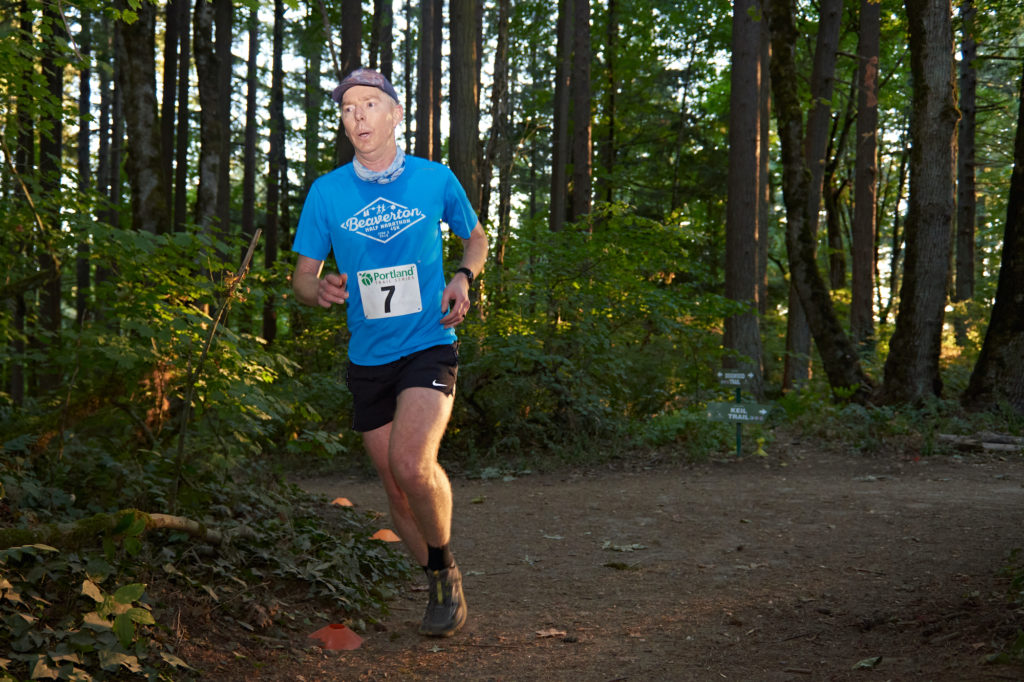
468, 273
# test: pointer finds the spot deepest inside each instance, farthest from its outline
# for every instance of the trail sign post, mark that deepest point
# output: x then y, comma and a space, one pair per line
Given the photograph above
737, 412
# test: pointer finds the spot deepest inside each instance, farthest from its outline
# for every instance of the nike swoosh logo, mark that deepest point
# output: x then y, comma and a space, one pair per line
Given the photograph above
439, 385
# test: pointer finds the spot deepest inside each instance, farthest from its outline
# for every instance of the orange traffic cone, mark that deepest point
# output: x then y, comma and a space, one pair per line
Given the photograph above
337, 636
385, 535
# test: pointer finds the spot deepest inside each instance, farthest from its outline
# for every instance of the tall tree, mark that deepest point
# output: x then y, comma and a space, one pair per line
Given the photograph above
135, 47
560, 124
181, 137
865, 203
224, 25
606, 153
798, 336
211, 132
966, 204
172, 41
499, 146
912, 366
838, 355
351, 59
998, 375
742, 332
464, 136
312, 97
382, 53
251, 125
51, 152
428, 95
275, 164
582, 184
82, 266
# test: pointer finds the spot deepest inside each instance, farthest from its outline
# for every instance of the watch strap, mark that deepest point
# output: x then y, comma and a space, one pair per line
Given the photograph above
468, 273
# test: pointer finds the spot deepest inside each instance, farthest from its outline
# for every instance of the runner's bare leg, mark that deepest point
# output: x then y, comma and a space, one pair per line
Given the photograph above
404, 453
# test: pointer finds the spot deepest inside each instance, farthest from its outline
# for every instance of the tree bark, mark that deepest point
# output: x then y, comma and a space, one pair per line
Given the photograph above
169, 91
251, 125
224, 25
82, 269
798, 357
351, 58
382, 54
742, 251
136, 51
912, 367
838, 354
312, 99
211, 144
865, 197
582, 183
560, 124
275, 163
182, 136
464, 136
51, 152
998, 375
966, 205
427, 93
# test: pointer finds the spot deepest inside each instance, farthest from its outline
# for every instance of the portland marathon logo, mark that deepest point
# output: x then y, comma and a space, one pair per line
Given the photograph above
382, 220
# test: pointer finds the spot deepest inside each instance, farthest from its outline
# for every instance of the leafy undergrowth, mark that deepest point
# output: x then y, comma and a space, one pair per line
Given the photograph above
1014, 572
121, 605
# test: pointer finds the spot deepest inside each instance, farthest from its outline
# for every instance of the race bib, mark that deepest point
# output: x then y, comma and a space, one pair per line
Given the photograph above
390, 292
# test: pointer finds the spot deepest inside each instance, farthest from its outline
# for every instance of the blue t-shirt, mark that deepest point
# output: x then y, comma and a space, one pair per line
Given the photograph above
387, 238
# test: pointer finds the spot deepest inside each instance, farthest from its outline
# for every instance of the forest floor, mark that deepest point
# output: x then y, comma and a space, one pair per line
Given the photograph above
807, 564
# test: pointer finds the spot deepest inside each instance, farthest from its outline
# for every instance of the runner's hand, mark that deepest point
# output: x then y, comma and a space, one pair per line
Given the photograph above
455, 302
333, 288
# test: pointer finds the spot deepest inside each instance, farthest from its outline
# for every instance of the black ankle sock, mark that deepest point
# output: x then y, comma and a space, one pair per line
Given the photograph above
439, 558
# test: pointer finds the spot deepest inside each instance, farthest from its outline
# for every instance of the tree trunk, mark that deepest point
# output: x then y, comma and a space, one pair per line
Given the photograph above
82, 269
965, 170
498, 142
351, 58
606, 143
464, 136
426, 92
407, 71
224, 23
912, 367
182, 136
832, 188
51, 152
582, 184
211, 143
998, 375
560, 126
798, 366
275, 162
251, 125
742, 252
382, 53
764, 173
136, 50
312, 99
865, 201
838, 355
172, 40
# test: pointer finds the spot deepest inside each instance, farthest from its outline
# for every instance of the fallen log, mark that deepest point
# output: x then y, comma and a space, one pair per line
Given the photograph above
88, 531
985, 441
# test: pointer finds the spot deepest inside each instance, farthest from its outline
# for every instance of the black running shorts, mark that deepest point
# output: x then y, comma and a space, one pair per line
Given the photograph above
375, 388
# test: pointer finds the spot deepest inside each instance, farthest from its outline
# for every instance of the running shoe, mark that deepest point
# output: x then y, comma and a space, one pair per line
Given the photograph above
446, 610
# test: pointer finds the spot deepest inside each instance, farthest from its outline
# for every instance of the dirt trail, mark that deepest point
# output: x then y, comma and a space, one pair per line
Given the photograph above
794, 567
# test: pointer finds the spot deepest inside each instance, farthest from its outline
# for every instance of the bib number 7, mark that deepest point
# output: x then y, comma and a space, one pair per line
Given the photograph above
390, 292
